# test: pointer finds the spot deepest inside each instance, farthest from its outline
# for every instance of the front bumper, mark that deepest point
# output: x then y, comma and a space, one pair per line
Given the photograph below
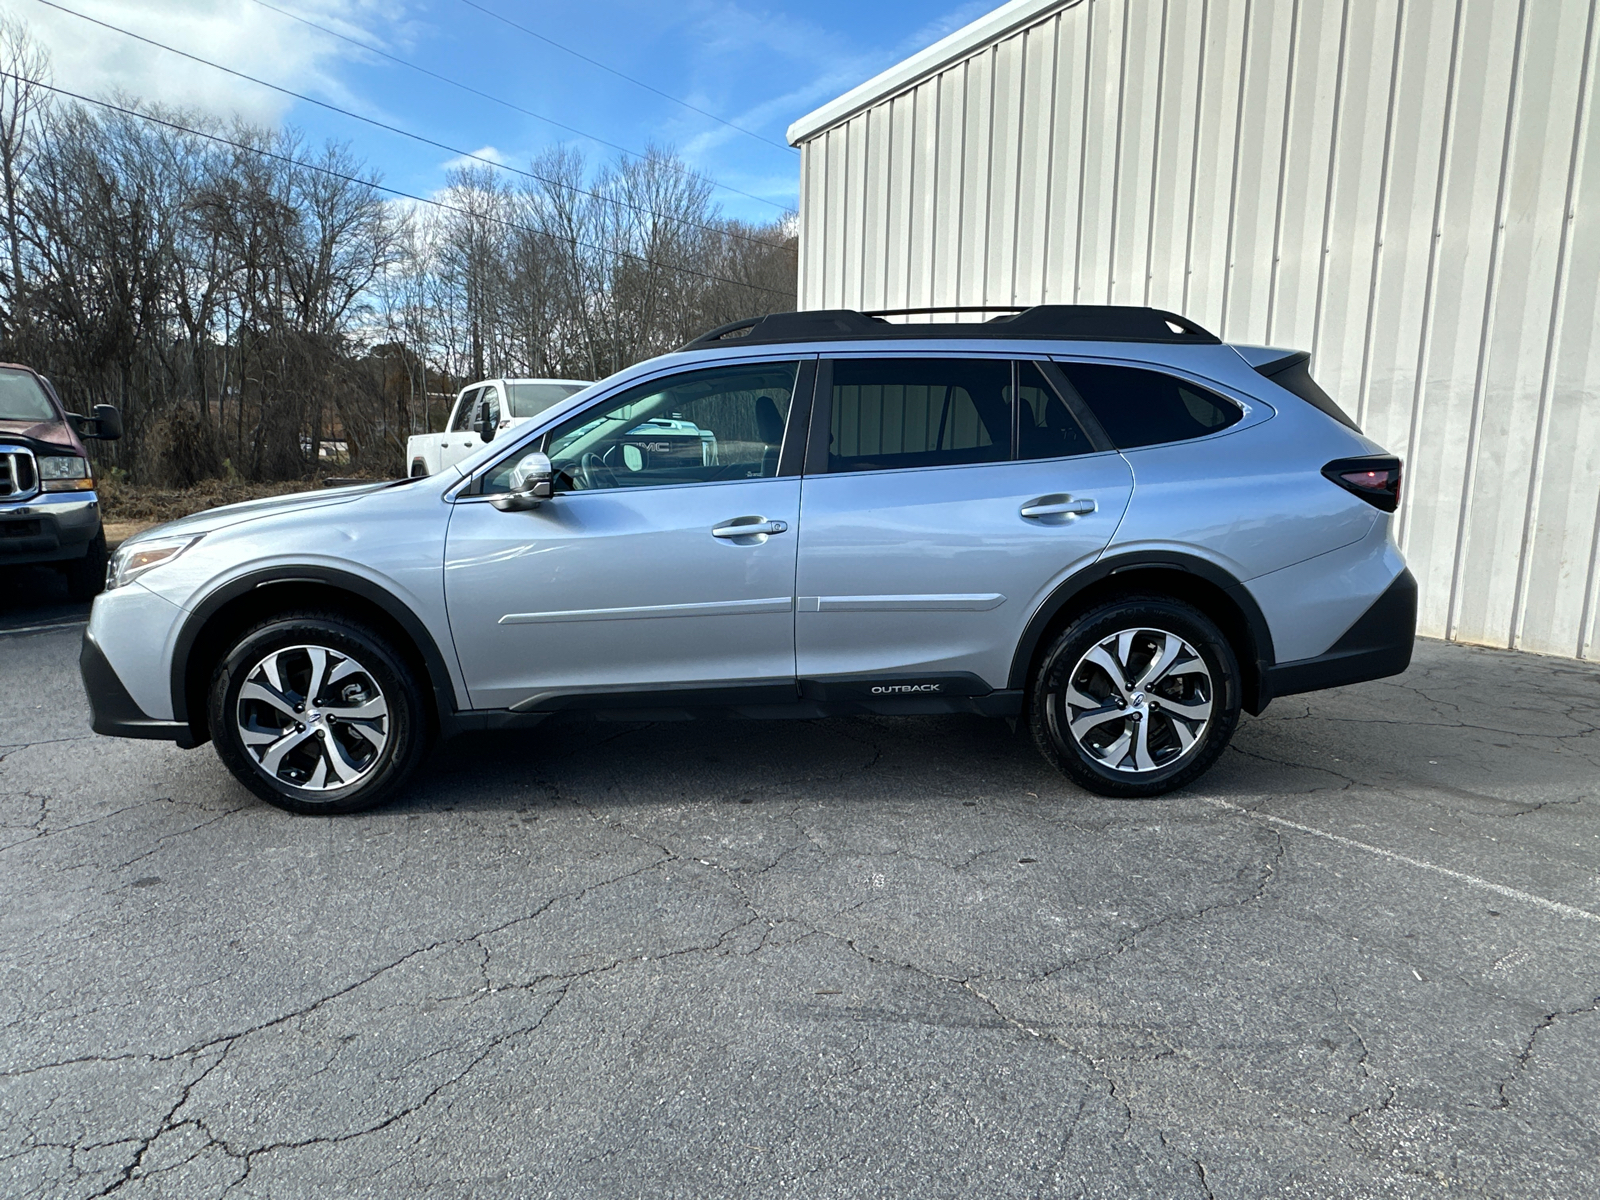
48, 528
1376, 646
116, 713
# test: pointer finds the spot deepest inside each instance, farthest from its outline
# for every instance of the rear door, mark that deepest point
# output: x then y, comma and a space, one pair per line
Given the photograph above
944, 499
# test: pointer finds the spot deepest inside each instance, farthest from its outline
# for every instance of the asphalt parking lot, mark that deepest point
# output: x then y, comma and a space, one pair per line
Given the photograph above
871, 957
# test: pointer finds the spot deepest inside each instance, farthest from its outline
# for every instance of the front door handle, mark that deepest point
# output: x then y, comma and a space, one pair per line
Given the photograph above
1059, 506
748, 527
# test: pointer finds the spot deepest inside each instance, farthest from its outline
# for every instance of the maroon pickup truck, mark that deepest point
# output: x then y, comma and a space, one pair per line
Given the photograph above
49, 512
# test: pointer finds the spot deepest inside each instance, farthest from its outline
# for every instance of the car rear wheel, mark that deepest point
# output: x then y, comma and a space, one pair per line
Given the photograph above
316, 713
1136, 697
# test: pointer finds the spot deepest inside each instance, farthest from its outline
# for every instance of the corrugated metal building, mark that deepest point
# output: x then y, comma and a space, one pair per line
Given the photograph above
1410, 189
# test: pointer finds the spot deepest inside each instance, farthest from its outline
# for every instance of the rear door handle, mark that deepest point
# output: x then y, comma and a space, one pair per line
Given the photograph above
1059, 506
748, 527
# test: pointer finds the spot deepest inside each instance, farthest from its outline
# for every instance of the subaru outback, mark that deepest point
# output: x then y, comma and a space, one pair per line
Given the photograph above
1103, 522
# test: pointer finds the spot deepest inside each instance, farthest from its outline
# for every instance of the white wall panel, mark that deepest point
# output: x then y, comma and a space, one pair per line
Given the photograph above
1408, 188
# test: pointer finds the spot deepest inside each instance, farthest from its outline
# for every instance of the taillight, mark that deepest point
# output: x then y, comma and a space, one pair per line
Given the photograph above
1375, 478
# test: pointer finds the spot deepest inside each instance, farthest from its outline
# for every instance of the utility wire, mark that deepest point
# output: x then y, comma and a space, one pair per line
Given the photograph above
416, 137
465, 87
488, 12
379, 187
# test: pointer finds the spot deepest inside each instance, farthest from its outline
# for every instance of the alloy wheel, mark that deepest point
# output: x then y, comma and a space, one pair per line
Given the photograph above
1137, 701
312, 718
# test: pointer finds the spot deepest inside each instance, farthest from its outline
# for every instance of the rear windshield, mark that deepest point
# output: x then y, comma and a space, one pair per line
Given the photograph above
531, 399
1293, 374
22, 399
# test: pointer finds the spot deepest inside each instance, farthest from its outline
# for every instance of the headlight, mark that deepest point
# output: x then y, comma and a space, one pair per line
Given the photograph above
132, 561
64, 473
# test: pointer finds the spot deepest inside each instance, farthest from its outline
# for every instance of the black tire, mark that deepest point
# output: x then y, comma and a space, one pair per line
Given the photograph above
86, 576
1176, 751
384, 674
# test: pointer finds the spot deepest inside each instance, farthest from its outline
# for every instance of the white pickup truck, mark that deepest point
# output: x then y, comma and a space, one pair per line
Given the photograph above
482, 411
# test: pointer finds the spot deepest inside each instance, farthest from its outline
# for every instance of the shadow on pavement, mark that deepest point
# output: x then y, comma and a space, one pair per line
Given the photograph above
34, 596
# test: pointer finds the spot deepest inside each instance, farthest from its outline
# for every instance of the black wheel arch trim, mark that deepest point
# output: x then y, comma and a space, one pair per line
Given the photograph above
1255, 660
439, 679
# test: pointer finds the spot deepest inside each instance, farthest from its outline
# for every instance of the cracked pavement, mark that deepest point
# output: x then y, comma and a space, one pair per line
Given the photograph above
861, 957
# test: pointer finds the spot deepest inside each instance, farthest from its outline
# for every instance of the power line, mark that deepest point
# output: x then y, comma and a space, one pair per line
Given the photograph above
379, 187
637, 82
416, 137
456, 83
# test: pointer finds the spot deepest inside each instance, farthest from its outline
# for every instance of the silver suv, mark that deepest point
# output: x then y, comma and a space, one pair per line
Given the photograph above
1103, 521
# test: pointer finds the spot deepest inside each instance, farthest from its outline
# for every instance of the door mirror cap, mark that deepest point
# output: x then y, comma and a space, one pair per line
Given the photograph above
106, 424
531, 483
486, 428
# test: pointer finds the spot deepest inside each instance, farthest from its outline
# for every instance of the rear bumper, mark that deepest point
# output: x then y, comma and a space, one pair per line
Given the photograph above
48, 528
115, 712
1376, 646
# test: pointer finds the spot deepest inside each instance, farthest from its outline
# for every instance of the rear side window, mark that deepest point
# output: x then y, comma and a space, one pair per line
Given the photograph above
1144, 408
531, 399
919, 412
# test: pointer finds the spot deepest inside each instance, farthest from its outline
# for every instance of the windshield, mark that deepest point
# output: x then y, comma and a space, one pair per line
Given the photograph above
531, 399
22, 399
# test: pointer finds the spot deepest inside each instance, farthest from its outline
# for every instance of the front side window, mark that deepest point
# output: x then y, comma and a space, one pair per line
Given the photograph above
466, 407
489, 407
919, 412
22, 399
718, 424
1143, 408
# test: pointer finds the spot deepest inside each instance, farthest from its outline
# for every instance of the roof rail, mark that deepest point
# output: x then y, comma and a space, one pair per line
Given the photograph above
1062, 322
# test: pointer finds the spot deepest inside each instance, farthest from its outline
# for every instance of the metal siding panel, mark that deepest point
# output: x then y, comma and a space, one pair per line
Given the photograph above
923, 233
1466, 235
1357, 183
1140, 90
1174, 156
975, 179
835, 249
901, 199
1092, 269
1557, 525
1310, 130
1255, 185
857, 198
1031, 238
876, 187
952, 124
1219, 111
1066, 171
1006, 131
1401, 285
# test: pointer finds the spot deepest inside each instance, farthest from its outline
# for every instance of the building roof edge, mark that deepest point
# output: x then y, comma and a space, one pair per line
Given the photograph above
1006, 19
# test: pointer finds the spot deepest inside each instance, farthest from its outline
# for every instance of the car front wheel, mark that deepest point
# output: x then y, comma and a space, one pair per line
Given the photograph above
316, 713
1136, 697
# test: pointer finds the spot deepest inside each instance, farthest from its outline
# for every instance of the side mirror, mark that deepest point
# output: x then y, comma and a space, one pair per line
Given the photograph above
531, 483
106, 424
486, 427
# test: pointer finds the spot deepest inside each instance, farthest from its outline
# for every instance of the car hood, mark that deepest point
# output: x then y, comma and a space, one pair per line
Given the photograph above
250, 510
52, 432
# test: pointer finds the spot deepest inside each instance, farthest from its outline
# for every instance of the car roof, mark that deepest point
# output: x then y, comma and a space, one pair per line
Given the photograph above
1044, 322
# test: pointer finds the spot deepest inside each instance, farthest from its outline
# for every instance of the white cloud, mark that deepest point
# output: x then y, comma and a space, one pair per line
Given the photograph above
241, 34
475, 159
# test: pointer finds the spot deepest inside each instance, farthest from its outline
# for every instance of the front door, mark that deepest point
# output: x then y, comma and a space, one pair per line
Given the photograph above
663, 565
955, 495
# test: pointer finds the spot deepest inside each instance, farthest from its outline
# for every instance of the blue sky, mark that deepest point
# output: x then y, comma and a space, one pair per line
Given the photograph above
757, 64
